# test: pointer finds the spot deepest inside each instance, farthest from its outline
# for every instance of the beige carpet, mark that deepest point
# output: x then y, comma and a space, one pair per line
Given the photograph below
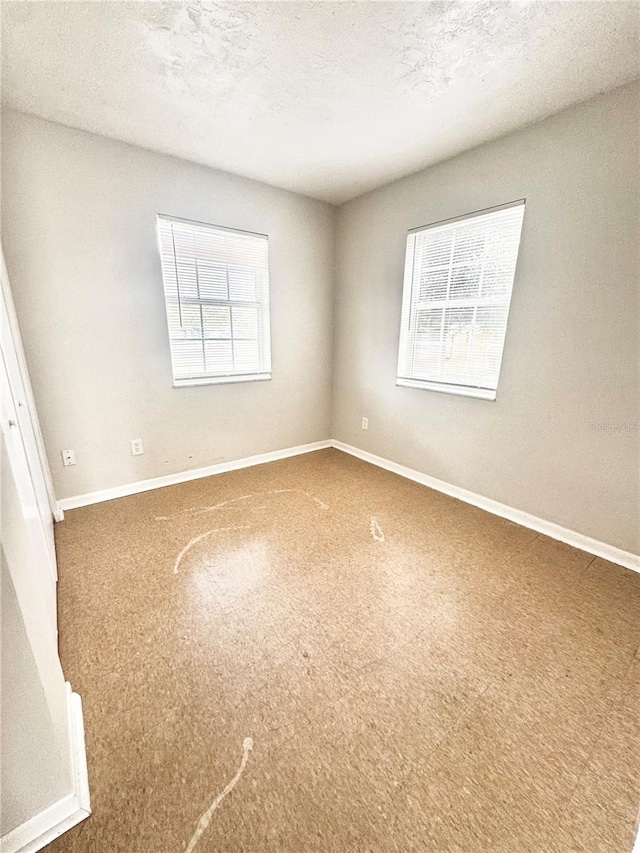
415, 674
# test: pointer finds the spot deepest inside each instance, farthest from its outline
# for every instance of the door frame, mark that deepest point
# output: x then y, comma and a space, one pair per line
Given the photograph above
38, 461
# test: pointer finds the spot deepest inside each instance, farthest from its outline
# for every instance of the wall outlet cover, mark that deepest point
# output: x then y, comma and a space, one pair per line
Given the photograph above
68, 457
137, 448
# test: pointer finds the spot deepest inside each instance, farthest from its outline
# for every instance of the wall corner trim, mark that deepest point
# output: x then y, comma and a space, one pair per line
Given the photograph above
184, 476
540, 525
43, 828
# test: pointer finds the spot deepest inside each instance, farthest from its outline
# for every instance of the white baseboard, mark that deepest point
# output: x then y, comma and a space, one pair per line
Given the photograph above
185, 476
541, 525
78, 752
43, 828
555, 531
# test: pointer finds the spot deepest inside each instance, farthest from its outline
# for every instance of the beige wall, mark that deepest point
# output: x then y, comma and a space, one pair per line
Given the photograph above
34, 773
78, 230
571, 357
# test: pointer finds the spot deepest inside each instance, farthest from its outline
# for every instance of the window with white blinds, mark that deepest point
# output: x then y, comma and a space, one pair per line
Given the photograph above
216, 285
457, 289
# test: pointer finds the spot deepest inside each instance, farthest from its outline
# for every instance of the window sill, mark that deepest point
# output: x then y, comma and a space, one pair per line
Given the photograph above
444, 388
221, 380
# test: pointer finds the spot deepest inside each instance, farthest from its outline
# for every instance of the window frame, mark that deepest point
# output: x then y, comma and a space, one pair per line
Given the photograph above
261, 305
410, 308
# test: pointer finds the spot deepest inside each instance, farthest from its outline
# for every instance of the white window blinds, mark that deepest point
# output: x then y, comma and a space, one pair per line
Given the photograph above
457, 288
216, 285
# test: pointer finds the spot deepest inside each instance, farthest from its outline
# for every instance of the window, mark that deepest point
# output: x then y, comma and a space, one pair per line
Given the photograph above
458, 278
216, 286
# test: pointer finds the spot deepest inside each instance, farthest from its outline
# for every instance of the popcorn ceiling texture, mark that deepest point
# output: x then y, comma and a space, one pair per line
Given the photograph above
326, 99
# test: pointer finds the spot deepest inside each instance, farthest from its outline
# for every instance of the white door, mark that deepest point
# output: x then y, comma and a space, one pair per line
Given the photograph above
39, 533
24, 447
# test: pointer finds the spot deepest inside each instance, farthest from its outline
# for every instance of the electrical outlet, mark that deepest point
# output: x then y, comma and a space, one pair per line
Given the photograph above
137, 448
68, 457
365, 423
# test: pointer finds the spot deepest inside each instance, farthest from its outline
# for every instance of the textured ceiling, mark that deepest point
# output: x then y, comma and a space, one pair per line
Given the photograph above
327, 99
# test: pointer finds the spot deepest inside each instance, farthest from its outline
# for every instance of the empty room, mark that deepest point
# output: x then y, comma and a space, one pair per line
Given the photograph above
320, 524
